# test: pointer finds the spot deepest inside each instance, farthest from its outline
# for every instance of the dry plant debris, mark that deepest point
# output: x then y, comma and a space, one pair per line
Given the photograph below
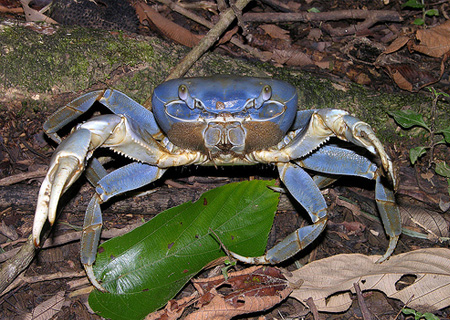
329, 281
433, 42
250, 290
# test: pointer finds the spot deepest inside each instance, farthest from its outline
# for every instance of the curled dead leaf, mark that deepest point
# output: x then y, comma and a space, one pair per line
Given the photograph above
173, 309
330, 281
410, 78
276, 32
292, 58
397, 44
32, 15
48, 308
167, 27
435, 41
429, 222
251, 290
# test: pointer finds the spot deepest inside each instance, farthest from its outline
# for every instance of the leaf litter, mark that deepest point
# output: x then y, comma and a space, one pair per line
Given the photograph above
330, 281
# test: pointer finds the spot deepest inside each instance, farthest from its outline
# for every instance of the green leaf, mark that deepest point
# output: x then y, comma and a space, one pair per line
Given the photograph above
413, 4
432, 12
419, 22
442, 169
408, 119
446, 133
416, 153
314, 10
145, 268
430, 316
409, 311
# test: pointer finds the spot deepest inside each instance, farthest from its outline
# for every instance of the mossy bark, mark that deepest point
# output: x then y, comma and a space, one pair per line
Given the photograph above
37, 66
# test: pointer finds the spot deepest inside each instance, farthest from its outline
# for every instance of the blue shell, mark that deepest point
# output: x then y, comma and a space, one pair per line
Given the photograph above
223, 94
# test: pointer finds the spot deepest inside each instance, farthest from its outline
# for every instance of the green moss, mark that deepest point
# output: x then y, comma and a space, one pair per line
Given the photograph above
67, 60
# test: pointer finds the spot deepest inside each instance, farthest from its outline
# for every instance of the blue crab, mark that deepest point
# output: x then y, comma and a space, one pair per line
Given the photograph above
214, 121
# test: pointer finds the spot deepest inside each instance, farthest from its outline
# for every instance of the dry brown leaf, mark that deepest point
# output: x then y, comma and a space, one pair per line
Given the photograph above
411, 78
434, 41
397, 44
251, 290
432, 223
167, 27
48, 308
292, 58
329, 281
276, 32
173, 309
32, 15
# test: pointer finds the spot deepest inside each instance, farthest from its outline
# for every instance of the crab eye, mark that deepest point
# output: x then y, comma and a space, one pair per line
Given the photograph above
266, 92
183, 92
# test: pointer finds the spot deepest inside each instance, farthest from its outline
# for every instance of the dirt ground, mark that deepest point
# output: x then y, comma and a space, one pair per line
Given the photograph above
316, 46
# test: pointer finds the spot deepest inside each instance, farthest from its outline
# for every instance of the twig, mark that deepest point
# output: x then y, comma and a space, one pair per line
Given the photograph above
10, 10
41, 172
200, 20
14, 266
362, 303
381, 15
370, 17
210, 38
313, 308
224, 248
19, 281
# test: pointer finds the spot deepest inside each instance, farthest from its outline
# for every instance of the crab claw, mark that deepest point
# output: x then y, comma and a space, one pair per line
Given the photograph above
360, 133
65, 167
328, 122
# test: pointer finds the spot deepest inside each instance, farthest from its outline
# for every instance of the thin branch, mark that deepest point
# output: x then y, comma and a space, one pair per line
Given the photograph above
380, 15
370, 18
14, 266
41, 172
362, 303
208, 41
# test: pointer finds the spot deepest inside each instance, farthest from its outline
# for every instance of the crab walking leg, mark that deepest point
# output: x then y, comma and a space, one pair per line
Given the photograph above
390, 215
301, 186
114, 100
339, 161
130, 177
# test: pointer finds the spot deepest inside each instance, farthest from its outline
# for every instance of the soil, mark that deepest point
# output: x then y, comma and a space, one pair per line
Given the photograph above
25, 149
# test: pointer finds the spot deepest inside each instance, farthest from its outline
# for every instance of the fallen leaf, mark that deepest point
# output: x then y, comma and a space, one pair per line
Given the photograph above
432, 223
173, 309
48, 308
167, 27
32, 15
330, 281
276, 32
250, 290
397, 44
292, 58
410, 78
434, 41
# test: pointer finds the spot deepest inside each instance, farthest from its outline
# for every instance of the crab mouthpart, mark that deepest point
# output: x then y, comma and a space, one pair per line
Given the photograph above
225, 137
